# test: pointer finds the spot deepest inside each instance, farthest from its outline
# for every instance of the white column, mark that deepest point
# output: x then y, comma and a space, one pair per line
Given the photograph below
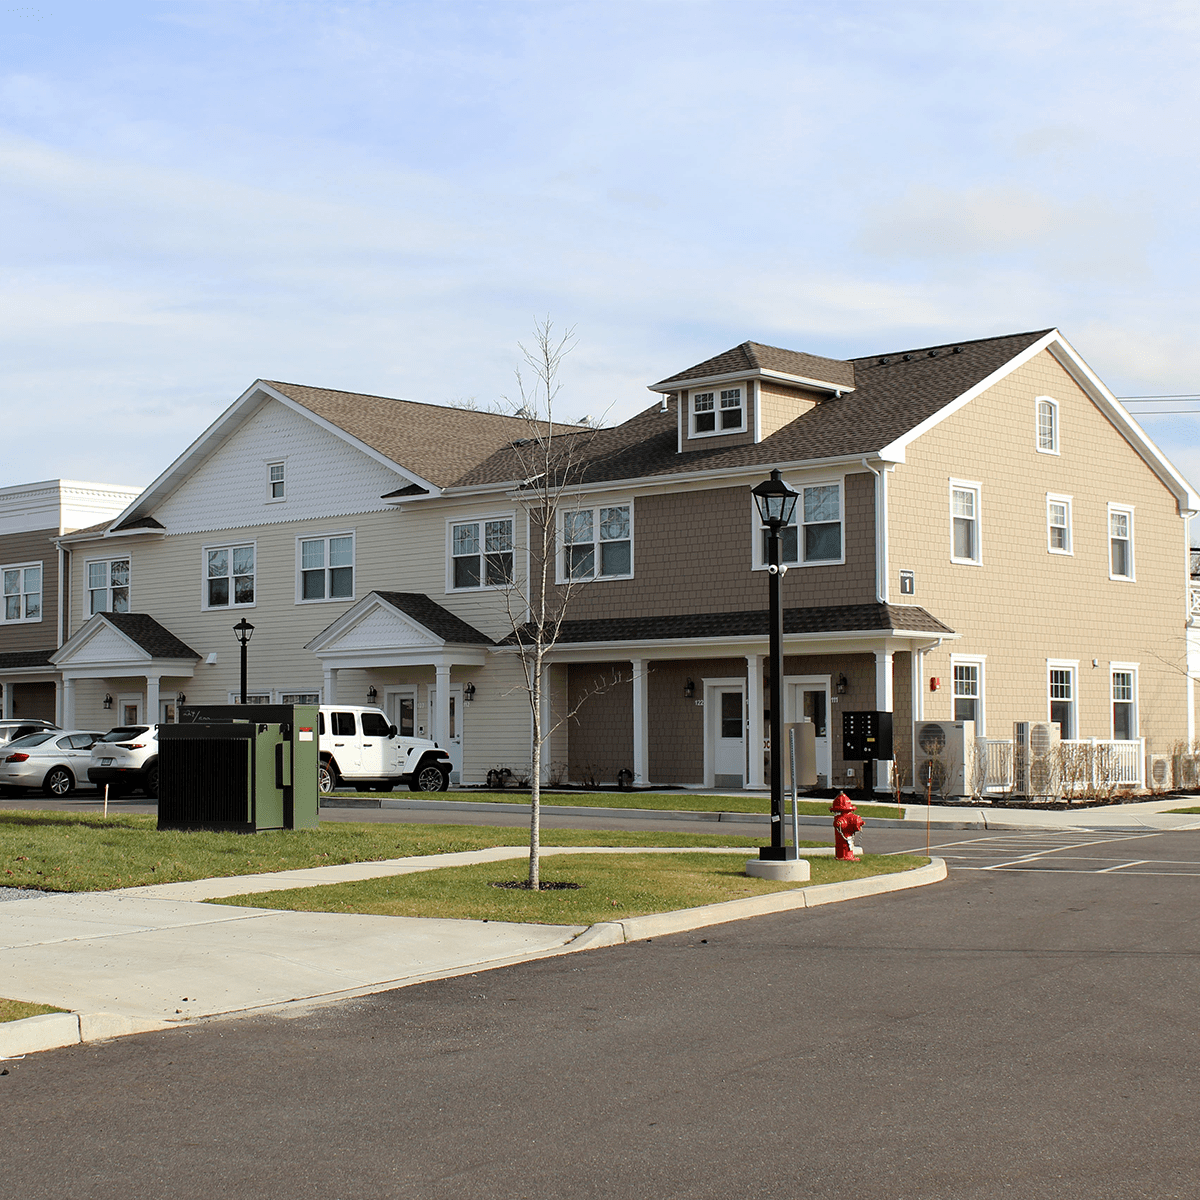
641, 728
8, 699
331, 685
441, 719
67, 704
150, 716
754, 723
1191, 714
883, 703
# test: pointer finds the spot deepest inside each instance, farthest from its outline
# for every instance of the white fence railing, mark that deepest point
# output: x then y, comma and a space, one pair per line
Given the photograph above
1194, 600
1084, 765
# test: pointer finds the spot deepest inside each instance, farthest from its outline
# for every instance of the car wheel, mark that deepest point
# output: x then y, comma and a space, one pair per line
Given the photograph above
327, 778
151, 787
59, 782
432, 778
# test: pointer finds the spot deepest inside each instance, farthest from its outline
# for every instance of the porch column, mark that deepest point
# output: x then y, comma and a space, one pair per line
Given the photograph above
67, 703
641, 730
754, 726
8, 699
151, 714
883, 703
441, 719
331, 685
1191, 705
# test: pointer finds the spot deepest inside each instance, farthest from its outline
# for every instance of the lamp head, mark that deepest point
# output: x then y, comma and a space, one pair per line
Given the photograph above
776, 502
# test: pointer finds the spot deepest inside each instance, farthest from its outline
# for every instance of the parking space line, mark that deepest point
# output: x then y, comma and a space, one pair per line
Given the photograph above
1137, 862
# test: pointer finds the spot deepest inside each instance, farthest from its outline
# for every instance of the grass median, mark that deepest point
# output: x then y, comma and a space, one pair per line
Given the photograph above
85, 852
18, 1010
610, 886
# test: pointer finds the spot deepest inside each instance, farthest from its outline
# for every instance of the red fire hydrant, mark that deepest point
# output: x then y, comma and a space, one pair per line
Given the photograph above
845, 825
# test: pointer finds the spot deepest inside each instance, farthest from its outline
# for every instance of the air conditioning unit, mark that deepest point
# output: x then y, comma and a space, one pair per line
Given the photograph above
945, 759
1187, 771
1037, 771
1160, 777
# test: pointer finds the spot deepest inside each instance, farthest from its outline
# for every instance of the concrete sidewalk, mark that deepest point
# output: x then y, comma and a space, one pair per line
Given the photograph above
153, 957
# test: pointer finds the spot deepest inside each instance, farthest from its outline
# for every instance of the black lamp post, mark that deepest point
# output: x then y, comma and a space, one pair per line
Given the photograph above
244, 631
776, 506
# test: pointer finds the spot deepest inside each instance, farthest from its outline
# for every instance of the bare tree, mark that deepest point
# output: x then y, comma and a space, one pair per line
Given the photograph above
550, 459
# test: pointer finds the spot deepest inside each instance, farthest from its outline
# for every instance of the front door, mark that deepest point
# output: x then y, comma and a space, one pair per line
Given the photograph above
451, 741
401, 709
808, 699
728, 732
166, 712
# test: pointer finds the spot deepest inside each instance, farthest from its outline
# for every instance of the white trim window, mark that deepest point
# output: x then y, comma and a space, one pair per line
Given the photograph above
108, 585
229, 576
598, 542
481, 553
298, 697
325, 568
1047, 425
718, 410
816, 525
1120, 542
1061, 698
1058, 524
1124, 701
276, 483
251, 697
964, 522
968, 691
22, 592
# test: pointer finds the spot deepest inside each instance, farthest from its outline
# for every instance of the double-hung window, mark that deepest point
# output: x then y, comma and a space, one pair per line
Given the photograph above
1047, 425
816, 528
481, 553
964, 522
229, 576
327, 567
1058, 524
275, 481
1062, 698
968, 691
718, 411
1124, 702
108, 585
22, 592
598, 542
1120, 542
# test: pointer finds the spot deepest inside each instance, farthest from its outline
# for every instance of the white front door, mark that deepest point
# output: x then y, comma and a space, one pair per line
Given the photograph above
129, 709
727, 732
808, 697
450, 741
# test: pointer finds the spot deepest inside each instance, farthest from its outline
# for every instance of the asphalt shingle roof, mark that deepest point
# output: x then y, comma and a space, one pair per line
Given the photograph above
849, 618
14, 660
751, 356
155, 639
435, 618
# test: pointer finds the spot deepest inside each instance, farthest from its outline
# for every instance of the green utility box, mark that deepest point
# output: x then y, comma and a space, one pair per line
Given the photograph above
240, 767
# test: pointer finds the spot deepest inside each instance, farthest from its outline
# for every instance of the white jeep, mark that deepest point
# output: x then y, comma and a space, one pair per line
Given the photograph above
361, 748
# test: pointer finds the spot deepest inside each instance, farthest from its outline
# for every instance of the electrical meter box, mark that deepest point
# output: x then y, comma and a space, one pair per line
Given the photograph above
239, 767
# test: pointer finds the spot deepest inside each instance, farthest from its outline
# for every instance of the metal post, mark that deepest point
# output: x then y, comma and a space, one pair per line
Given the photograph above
775, 616
795, 794
243, 672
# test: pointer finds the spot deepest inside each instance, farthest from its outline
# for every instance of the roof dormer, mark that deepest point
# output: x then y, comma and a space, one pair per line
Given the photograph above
751, 392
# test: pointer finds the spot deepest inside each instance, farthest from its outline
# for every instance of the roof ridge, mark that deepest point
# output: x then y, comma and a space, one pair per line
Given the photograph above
1000, 337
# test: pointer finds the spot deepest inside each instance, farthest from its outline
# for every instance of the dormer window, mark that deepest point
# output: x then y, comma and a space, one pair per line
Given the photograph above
717, 411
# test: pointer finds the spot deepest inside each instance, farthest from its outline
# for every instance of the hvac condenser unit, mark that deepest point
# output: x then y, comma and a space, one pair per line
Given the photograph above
1187, 771
1160, 777
945, 759
1036, 768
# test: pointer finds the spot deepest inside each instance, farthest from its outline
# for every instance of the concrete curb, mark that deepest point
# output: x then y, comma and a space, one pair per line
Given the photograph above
52, 1031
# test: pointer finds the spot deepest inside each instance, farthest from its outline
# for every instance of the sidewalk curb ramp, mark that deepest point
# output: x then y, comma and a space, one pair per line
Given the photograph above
56, 1030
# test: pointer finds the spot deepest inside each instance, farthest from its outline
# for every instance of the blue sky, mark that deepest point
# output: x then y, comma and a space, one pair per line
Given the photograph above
383, 196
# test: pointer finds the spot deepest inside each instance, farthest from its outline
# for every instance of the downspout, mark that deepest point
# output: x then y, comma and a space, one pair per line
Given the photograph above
882, 570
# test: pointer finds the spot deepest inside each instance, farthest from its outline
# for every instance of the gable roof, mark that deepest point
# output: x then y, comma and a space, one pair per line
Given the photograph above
139, 631
438, 620
752, 358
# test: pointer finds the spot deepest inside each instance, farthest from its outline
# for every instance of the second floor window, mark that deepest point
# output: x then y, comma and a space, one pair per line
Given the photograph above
597, 542
1047, 426
108, 585
816, 527
1120, 543
482, 553
23, 593
275, 481
964, 522
230, 576
327, 568
1058, 524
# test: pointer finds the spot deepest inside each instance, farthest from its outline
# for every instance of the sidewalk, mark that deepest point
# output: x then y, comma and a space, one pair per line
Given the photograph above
154, 957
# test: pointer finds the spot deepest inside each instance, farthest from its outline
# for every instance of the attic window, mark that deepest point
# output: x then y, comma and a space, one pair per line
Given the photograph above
706, 405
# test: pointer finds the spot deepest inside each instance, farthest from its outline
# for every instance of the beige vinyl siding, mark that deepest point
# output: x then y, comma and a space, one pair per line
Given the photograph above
1024, 605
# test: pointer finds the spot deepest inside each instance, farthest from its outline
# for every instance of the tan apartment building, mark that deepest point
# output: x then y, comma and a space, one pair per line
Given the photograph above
982, 533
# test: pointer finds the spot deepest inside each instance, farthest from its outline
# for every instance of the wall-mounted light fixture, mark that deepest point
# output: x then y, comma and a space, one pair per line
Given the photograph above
689, 690
842, 685
179, 697
468, 693
372, 694
107, 700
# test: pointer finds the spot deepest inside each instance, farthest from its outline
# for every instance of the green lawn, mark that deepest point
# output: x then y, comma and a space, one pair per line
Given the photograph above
75, 852
655, 801
18, 1010
611, 886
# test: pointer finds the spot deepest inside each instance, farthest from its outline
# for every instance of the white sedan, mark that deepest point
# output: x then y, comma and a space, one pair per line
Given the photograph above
55, 760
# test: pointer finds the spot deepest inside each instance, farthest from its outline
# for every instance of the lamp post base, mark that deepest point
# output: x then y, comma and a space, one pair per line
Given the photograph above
772, 853
789, 870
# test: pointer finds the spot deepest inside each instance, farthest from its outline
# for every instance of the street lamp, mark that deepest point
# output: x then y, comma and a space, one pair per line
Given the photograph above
244, 631
776, 506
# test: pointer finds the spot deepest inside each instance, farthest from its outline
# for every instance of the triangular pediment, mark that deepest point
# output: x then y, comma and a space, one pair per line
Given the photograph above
383, 628
101, 644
